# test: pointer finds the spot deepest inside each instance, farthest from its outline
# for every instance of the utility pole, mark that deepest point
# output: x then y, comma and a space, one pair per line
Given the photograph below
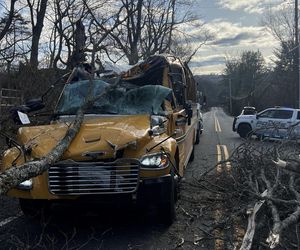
230, 99
297, 58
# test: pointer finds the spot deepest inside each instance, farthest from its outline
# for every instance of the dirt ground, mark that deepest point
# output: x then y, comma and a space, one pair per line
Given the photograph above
205, 219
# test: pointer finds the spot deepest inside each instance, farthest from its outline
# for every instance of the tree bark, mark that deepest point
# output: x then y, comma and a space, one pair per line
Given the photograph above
37, 31
78, 55
249, 235
15, 175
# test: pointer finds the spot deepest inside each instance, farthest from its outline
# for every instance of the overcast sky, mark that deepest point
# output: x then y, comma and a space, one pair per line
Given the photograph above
237, 26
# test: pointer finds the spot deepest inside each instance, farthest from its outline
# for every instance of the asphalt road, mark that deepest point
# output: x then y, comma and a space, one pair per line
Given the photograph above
122, 227
217, 135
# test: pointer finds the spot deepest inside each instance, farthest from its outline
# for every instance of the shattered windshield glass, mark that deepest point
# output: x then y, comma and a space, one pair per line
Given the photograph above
119, 100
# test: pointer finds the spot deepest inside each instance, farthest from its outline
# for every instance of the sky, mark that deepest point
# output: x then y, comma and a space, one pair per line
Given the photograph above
236, 26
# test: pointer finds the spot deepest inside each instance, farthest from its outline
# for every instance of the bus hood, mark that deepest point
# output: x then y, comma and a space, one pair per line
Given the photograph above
99, 137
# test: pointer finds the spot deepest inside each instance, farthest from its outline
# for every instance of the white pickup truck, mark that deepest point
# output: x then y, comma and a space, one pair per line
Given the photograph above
278, 122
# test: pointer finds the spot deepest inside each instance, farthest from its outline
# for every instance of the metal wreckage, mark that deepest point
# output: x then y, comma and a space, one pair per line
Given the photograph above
135, 142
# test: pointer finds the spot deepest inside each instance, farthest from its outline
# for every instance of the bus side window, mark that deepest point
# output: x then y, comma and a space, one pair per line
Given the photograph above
178, 84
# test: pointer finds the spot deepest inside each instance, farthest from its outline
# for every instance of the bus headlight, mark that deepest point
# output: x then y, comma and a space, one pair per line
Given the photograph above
158, 160
25, 185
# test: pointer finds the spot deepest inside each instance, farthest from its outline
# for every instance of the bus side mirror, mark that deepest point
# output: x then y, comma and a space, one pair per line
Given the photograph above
30, 106
34, 104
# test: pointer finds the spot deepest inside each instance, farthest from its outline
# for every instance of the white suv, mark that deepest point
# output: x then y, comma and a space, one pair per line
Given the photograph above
275, 122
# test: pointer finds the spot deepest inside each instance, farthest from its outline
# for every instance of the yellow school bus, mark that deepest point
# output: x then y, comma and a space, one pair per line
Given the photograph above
135, 142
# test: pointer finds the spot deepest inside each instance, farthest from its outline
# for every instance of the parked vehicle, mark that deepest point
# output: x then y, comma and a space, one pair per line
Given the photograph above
248, 111
278, 122
135, 142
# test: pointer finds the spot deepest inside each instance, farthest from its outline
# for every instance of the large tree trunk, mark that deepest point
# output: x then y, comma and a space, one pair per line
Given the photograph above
37, 31
133, 58
78, 55
15, 175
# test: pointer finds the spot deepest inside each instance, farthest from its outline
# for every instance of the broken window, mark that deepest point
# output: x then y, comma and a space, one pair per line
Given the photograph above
138, 100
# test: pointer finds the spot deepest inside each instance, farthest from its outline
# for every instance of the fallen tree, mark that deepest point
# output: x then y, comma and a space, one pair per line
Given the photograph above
271, 169
17, 174
263, 187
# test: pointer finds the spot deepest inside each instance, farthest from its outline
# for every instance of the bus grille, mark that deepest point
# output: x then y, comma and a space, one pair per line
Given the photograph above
84, 178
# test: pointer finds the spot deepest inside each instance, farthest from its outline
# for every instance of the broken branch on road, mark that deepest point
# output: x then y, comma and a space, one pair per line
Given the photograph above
267, 173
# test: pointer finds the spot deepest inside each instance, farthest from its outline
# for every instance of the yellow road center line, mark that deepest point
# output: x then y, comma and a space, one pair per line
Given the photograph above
216, 128
218, 125
226, 155
219, 158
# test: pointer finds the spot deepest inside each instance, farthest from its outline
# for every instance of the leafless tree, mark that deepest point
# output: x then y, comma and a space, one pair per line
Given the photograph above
98, 18
13, 38
101, 26
127, 36
7, 20
159, 24
60, 30
281, 23
186, 46
37, 15
150, 28
127, 28
164, 32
